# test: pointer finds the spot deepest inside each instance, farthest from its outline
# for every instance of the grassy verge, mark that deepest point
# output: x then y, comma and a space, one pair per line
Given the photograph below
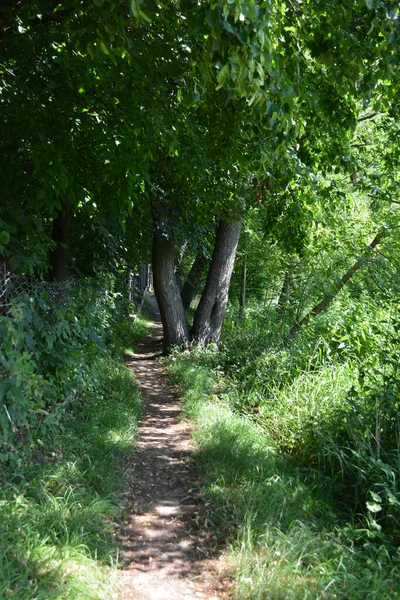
289, 539
140, 330
126, 334
58, 509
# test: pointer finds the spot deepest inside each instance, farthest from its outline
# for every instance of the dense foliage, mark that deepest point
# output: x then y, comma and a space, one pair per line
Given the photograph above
300, 403
105, 106
124, 122
298, 451
68, 416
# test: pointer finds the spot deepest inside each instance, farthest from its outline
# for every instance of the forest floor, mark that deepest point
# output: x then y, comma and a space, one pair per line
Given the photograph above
165, 553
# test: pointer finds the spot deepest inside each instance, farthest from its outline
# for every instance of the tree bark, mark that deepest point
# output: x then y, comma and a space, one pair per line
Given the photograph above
191, 284
176, 329
210, 313
325, 302
59, 258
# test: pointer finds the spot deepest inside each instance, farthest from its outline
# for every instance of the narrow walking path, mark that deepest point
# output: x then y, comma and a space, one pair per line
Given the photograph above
166, 555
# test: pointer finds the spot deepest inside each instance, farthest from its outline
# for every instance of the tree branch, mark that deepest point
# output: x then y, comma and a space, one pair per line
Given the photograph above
325, 302
367, 117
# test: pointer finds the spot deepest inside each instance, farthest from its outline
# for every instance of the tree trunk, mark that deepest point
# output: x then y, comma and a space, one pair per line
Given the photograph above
212, 306
59, 257
191, 284
176, 329
243, 280
179, 267
325, 302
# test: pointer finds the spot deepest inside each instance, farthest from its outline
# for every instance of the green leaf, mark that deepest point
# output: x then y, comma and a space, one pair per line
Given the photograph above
392, 499
376, 497
134, 9
4, 238
228, 26
144, 16
223, 75
252, 9
104, 48
374, 507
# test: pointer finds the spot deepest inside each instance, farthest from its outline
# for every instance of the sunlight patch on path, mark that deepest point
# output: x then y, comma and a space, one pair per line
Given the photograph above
165, 555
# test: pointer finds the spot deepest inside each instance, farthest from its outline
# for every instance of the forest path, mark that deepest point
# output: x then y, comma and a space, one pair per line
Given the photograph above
166, 556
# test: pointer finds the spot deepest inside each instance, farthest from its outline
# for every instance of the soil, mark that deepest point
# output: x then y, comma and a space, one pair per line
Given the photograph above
165, 553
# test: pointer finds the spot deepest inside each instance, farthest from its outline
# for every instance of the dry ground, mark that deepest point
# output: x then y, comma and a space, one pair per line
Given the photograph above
165, 554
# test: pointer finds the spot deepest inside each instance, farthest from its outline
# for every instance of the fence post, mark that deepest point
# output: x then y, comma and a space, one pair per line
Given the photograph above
4, 279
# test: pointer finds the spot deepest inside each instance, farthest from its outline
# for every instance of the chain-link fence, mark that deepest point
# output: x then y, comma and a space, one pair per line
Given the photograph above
56, 294
60, 293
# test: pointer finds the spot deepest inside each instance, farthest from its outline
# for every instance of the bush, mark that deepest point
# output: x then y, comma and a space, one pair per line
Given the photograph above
68, 416
289, 538
47, 354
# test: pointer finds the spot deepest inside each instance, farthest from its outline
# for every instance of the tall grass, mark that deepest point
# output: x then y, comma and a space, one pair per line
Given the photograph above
289, 537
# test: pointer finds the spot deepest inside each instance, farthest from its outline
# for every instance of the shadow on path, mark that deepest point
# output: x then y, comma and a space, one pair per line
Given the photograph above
166, 556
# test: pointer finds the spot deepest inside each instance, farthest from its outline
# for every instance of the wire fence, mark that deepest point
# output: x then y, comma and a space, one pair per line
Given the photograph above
60, 294
56, 294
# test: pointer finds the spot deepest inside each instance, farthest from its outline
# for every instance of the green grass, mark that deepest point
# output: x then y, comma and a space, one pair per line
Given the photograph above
58, 510
137, 330
288, 537
125, 332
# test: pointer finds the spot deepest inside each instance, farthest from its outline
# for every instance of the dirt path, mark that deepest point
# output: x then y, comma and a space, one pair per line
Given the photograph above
166, 556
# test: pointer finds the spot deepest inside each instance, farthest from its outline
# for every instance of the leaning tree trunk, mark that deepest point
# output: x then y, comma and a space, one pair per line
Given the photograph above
191, 284
325, 302
59, 258
210, 313
176, 329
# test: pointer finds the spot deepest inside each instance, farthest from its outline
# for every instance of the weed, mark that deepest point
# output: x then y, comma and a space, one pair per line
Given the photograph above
59, 502
289, 537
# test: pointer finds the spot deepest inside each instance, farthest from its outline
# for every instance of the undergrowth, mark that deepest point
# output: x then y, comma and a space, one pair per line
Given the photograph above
292, 533
62, 461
